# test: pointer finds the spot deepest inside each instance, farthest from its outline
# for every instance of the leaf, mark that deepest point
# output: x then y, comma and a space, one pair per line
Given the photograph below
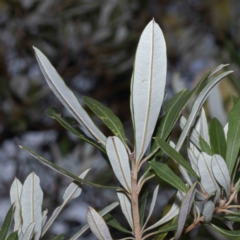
44, 217
15, 196
153, 202
221, 172
29, 232
111, 221
53, 113
102, 213
97, 225
58, 237
31, 202
204, 146
148, 84
233, 234
208, 210
142, 203
72, 191
66, 96
108, 117
63, 171
204, 126
119, 160
126, 207
164, 229
6, 224
173, 212
233, 137
172, 153
225, 129
234, 99
184, 210
165, 173
13, 236
207, 179
217, 138
193, 160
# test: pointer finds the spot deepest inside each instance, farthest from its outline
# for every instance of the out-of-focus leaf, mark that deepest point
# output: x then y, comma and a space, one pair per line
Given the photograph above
171, 152
53, 113
217, 138
184, 210
58, 237
97, 225
15, 196
204, 146
6, 224
233, 137
126, 207
44, 217
13, 236
208, 210
221, 172
63, 171
119, 160
66, 96
111, 221
102, 213
204, 126
148, 84
230, 234
107, 116
142, 203
234, 99
29, 232
31, 202
165, 173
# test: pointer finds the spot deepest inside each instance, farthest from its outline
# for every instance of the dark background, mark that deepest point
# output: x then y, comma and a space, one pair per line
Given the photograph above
92, 45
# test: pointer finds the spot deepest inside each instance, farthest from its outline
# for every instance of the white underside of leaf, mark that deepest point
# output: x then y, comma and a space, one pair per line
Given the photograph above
193, 161
208, 210
44, 217
204, 127
29, 232
149, 78
225, 129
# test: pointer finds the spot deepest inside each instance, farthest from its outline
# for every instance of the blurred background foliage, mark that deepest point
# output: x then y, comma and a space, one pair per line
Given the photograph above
92, 45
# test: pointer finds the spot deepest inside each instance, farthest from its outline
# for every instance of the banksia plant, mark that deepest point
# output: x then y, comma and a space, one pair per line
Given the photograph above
208, 185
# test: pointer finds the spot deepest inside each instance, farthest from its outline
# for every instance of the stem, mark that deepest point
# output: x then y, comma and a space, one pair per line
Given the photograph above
134, 199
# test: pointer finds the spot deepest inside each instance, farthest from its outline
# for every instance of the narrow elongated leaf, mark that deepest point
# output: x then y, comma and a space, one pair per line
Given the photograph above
108, 117
58, 237
119, 160
102, 213
171, 152
44, 217
63, 171
148, 84
29, 232
111, 221
31, 202
225, 129
126, 207
72, 191
66, 96
208, 210
204, 127
217, 138
13, 236
221, 172
193, 160
15, 196
204, 146
6, 224
142, 203
173, 212
53, 113
98, 225
153, 202
230, 234
165, 173
207, 179
233, 137
184, 210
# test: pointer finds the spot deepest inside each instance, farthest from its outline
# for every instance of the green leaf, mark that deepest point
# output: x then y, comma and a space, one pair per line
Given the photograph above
234, 99
67, 123
234, 234
204, 146
6, 224
107, 116
111, 221
229, 218
177, 157
58, 237
64, 172
233, 137
13, 236
217, 138
165, 173
142, 203
164, 229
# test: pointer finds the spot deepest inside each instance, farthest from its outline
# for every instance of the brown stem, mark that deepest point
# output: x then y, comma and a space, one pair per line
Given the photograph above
134, 199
